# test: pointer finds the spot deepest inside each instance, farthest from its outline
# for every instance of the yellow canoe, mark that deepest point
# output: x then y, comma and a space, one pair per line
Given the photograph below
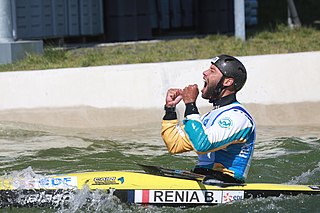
139, 188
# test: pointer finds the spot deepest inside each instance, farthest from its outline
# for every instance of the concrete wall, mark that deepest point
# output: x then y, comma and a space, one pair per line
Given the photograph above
272, 79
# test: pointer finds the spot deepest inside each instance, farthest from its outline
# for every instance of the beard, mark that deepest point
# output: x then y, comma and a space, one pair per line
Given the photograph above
208, 92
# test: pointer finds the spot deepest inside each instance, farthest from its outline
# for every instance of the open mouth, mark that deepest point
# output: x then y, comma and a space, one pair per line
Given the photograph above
205, 83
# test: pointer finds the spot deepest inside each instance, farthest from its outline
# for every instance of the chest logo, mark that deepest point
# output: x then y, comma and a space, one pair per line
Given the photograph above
225, 123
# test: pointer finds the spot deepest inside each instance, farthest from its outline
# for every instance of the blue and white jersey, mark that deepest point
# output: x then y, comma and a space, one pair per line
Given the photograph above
224, 139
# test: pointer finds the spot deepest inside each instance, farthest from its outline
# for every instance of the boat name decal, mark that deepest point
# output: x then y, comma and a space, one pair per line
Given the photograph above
187, 196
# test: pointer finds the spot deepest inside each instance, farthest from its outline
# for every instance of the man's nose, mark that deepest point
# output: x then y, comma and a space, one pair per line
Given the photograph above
205, 72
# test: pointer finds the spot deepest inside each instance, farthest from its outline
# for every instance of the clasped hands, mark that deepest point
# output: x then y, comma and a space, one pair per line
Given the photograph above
189, 94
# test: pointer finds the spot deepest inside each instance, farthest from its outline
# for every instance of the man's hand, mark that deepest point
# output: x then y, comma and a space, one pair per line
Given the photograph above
190, 93
174, 96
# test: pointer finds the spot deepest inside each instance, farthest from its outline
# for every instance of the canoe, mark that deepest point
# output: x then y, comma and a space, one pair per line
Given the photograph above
157, 186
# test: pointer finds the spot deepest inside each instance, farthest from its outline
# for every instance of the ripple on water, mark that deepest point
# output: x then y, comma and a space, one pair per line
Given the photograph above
282, 155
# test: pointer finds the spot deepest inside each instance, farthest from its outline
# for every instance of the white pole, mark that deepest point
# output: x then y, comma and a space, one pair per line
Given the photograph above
5, 21
239, 20
293, 18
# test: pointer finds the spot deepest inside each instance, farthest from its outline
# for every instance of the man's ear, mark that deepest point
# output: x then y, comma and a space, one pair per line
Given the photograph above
228, 82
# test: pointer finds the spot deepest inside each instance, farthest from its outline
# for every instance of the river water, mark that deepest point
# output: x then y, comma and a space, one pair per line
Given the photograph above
287, 154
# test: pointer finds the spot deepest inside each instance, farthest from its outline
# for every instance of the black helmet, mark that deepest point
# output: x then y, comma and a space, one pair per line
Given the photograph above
231, 67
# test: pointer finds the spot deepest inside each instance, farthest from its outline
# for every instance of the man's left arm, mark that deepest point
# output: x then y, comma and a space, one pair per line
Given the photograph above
229, 128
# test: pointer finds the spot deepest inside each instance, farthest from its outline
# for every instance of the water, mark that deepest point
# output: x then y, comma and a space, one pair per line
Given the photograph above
282, 155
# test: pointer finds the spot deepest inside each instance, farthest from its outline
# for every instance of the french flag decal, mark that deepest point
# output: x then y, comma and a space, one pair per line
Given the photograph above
141, 196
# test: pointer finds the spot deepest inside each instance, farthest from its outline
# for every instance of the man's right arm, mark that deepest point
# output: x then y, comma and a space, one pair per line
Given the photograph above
174, 137
172, 133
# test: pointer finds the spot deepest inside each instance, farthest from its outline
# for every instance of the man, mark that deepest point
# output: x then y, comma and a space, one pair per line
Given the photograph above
224, 137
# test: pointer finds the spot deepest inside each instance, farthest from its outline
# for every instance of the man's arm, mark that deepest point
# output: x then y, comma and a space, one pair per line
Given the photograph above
172, 134
219, 135
174, 137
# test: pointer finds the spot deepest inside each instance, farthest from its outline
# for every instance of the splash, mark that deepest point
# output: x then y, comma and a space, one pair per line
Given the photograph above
23, 190
23, 179
86, 200
306, 177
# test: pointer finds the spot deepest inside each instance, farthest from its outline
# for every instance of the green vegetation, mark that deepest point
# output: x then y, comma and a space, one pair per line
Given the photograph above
280, 40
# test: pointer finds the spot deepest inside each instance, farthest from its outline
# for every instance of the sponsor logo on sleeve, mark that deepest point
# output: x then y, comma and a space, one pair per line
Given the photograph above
225, 122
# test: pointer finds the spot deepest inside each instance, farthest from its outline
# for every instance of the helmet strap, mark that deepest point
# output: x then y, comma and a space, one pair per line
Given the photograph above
217, 91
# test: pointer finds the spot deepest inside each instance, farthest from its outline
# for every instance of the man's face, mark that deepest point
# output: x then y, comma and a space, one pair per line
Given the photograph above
211, 78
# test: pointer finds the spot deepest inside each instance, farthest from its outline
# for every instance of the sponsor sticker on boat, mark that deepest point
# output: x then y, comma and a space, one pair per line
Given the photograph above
230, 196
51, 198
63, 182
108, 180
186, 196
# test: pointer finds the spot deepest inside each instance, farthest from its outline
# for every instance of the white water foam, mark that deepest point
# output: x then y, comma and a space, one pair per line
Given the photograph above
304, 178
85, 200
21, 179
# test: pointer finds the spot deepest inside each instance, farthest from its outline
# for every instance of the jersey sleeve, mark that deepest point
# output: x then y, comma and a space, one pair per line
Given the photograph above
174, 137
230, 127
